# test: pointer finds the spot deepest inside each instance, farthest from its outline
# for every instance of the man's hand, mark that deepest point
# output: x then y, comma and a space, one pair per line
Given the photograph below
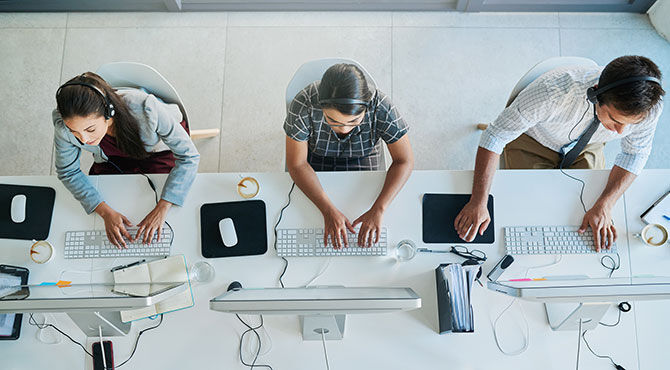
600, 220
473, 218
371, 222
336, 225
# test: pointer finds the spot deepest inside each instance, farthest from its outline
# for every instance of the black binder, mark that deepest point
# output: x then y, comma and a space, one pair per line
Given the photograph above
250, 226
438, 214
444, 317
39, 210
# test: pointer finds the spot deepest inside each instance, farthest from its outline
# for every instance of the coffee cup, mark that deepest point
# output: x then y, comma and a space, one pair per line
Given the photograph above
653, 235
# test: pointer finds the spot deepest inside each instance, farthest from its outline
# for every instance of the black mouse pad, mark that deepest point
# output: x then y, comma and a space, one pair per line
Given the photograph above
249, 221
39, 210
439, 212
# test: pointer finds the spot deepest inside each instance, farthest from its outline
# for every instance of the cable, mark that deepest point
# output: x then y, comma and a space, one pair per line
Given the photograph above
615, 265
526, 340
578, 122
321, 271
33, 322
258, 337
137, 340
325, 353
617, 366
579, 342
281, 214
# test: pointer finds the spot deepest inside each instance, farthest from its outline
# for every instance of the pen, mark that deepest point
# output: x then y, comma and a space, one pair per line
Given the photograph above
426, 250
666, 217
126, 266
655, 204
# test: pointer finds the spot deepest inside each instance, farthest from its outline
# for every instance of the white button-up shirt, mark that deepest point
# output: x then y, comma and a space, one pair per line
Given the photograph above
554, 111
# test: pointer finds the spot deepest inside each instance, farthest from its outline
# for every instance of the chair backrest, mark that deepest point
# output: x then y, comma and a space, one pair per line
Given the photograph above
546, 66
132, 74
313, 71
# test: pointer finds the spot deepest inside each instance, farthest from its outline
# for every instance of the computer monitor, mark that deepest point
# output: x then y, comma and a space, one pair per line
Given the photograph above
321, 308
567, 301
89, 305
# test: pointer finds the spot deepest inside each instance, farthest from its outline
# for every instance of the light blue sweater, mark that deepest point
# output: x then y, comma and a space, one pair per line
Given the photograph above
160, 130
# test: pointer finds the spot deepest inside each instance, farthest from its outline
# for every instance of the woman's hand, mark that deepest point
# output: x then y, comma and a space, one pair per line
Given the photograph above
153, 222
335, 225
371, 221
115, 225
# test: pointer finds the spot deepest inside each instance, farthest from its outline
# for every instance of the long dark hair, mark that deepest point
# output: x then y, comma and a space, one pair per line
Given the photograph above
345, 81
82, 101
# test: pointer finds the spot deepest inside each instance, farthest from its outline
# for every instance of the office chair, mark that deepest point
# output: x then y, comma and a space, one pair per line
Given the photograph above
539, 69
132, 74
313, 71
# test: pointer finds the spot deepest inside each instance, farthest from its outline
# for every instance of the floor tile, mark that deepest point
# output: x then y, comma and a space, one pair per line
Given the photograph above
492, 20
259, 64
604, 20
605, 45
33, 20
190, 58
30, 71
310, 19
147, 20
447, 80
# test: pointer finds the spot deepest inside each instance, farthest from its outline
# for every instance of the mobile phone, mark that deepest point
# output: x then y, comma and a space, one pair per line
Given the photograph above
98, 364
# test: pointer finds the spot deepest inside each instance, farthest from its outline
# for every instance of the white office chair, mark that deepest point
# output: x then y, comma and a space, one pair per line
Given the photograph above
538, 70
132, 74
313, 71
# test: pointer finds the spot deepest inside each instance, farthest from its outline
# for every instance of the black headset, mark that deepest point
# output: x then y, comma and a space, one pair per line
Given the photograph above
346, 101
108, 110
593, 92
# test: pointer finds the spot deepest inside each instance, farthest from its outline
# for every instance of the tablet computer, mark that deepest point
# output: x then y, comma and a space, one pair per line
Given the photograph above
10, 324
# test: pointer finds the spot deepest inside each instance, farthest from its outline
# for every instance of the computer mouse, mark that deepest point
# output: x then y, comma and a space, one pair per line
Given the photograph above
228, 234
18, 208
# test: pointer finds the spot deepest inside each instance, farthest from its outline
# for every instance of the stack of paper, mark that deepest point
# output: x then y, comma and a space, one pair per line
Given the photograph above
459, 280
168, 270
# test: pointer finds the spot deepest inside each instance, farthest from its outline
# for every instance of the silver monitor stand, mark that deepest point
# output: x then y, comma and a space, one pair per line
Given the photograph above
110, 323
332, 326
566, 316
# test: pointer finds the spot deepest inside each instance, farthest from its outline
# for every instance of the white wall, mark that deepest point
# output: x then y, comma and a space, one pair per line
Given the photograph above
659, 14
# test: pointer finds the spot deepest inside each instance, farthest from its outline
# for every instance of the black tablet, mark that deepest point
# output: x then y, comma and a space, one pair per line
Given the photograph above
10, 324
439, 212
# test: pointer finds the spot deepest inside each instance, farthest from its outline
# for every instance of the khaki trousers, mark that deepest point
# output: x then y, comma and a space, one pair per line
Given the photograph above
526, 153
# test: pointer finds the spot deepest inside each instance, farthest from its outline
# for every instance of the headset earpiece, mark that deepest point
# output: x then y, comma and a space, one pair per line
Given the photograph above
592, 95
593, 92
108, 108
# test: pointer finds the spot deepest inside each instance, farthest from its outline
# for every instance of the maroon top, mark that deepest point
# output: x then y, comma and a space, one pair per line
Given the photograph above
160, 162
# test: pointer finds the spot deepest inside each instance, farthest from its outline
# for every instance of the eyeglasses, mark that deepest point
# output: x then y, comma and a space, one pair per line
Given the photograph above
328, 119
464, 252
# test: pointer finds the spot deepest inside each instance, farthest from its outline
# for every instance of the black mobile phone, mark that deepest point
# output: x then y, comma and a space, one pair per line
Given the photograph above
97, 356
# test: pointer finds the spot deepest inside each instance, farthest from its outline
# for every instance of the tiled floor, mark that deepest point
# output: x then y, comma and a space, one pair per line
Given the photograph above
445, 72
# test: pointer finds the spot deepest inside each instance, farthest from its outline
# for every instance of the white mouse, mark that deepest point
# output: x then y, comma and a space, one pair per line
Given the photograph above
228, 234
18, 208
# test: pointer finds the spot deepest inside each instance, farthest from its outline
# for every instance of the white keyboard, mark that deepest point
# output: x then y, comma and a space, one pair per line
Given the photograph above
94, 244
309, 243
550, 240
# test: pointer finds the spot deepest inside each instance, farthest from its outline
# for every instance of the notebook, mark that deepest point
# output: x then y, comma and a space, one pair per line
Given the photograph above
167, 270
659, 212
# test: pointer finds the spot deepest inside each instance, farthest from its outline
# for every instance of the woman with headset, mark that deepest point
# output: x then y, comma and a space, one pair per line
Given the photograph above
336, 124
128, 131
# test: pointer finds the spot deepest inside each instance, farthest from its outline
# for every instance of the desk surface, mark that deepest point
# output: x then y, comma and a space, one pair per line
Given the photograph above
204, 339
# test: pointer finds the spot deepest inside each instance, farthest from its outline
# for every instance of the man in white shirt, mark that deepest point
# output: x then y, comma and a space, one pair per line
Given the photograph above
552, 113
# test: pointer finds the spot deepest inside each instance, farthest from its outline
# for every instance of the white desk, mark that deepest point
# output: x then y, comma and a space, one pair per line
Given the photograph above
204, 339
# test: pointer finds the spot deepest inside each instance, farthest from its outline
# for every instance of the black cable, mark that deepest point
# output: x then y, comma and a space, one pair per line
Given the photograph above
579, 121
618, 320
31, 321
258, 337
617, 366
281, 214
137, 340
615, 265
581, 192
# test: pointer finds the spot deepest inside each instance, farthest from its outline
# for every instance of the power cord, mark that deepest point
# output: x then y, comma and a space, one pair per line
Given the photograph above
253, 329
622, 307
325, 353
281, 214
33, 322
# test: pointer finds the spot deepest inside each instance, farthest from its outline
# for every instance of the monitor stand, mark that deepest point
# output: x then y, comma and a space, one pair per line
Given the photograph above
566, 316
109, 322
332, 326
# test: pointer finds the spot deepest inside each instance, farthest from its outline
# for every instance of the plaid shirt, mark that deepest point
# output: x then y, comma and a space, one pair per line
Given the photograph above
359, 149
550, 108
